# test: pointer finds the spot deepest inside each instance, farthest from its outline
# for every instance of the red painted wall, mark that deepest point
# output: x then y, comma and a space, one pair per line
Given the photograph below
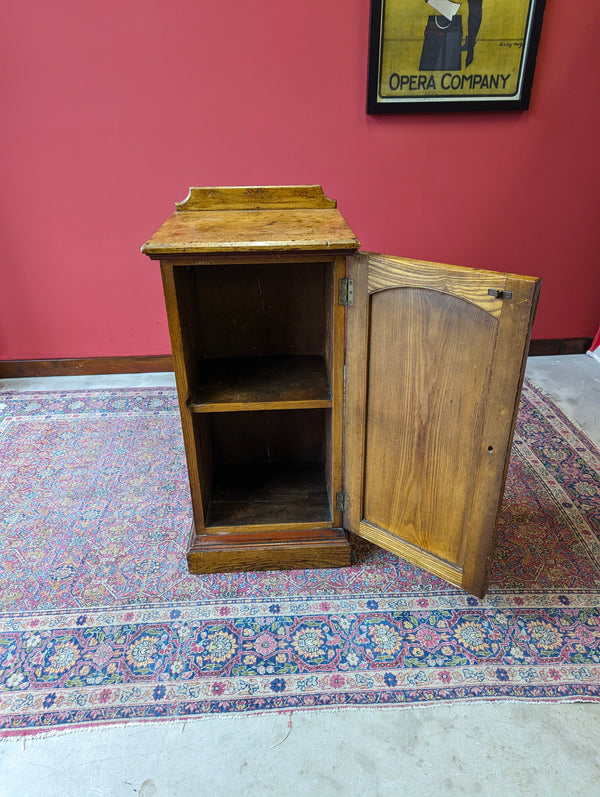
111, 110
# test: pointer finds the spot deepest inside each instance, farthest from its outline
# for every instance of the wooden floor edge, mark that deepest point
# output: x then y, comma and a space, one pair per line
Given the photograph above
554, 346
14, 369
90, 366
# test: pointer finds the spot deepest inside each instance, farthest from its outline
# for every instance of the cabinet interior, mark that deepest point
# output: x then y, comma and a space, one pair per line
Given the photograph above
258, 353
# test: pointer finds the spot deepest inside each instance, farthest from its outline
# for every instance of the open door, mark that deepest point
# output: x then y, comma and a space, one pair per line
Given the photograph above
434, 367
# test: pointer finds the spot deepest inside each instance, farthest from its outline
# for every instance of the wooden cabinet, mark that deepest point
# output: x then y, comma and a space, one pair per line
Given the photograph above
397, 428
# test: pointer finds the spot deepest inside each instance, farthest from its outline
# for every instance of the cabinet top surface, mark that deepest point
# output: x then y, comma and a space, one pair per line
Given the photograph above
279, 218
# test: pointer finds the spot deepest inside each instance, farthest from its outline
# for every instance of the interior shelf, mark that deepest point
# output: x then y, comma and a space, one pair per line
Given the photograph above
269, 494
234, 384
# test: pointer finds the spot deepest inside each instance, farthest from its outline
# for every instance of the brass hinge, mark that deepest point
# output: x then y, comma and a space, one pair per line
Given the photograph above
346, 292
342, 502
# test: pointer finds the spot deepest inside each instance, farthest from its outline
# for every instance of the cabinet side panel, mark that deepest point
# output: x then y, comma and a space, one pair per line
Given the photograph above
203, 461
333, 352
179, 290
430, 356
356, 391
179, 285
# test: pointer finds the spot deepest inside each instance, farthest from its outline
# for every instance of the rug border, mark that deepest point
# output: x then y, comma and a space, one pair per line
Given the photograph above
90, 725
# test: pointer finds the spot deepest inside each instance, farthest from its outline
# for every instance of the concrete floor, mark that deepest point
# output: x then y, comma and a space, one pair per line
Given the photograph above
489, 749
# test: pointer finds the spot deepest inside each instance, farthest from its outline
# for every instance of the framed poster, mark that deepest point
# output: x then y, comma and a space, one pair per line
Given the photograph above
441, 54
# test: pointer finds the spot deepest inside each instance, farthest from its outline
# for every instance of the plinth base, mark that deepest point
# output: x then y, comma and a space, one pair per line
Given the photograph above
275, 550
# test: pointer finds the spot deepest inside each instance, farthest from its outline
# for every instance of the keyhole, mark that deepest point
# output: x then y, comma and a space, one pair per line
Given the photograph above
490, 449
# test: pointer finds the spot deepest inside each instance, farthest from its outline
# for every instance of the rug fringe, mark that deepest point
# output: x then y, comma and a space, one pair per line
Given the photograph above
36, 734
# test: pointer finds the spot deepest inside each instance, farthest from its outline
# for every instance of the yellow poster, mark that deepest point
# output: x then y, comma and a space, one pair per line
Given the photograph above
441, 51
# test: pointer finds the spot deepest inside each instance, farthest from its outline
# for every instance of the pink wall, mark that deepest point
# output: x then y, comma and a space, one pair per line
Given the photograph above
111, 110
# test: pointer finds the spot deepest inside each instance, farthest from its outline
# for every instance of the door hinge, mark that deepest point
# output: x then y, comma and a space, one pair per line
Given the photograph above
499, 294
342, 502
346, 292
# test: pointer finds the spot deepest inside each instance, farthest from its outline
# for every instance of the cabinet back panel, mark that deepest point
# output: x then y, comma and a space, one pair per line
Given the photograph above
261, 310
280, 436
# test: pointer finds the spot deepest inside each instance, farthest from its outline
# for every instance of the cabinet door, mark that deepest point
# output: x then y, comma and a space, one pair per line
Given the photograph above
434, 367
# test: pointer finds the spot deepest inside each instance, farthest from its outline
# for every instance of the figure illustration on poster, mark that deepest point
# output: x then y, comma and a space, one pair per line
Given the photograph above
473, 26
443, 43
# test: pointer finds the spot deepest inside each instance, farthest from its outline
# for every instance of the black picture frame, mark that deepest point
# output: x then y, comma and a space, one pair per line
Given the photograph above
421, 60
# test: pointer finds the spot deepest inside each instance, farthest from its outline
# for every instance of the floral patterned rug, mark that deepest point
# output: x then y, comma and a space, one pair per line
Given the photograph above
100, 621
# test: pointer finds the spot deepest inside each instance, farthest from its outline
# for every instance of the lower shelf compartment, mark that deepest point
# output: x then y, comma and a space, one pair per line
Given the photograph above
268, 494
281, 550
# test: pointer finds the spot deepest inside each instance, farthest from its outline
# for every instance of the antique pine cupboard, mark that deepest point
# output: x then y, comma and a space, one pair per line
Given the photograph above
324, 390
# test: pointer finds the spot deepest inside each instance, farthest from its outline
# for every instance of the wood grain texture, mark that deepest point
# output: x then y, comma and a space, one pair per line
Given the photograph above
183, 316
259, 383
194, 436
186, 342
357, 350
203, 450
277, 494
255, 230
334, 337
465, 283
267, 436
268, 550
257, 339
255, 258
412, 553
265, 197
259, 310
428, 375
433, 381
508, 369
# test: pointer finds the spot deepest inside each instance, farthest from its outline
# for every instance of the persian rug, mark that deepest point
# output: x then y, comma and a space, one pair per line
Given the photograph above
100, 621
